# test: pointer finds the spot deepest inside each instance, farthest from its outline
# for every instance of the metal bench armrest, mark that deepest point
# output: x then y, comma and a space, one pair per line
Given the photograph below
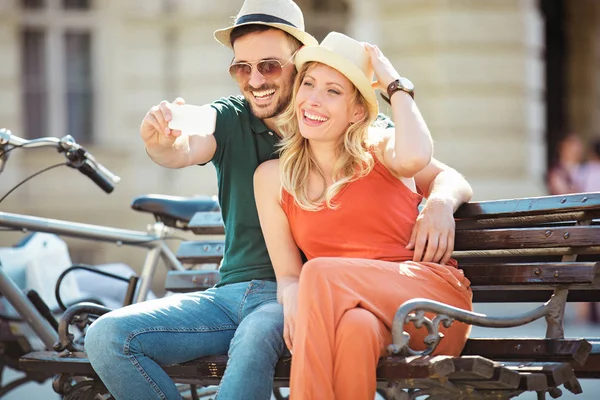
413, 311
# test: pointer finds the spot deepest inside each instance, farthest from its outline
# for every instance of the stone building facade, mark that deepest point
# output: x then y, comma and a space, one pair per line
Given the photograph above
480, 68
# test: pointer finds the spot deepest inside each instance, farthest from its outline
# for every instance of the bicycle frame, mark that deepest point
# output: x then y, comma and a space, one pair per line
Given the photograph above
153, 241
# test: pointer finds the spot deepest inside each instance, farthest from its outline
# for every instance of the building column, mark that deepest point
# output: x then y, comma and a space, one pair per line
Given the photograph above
478, 71
583, 67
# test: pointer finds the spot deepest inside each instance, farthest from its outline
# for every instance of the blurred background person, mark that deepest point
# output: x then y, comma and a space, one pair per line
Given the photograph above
565, 174
590, 171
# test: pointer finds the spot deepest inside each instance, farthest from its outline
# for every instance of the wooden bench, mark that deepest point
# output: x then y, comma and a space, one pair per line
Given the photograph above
532, 250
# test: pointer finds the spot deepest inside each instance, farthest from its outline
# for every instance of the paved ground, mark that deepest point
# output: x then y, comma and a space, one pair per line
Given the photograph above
537, 329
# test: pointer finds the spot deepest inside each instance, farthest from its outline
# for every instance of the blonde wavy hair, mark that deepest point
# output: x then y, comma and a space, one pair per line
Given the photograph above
296, 160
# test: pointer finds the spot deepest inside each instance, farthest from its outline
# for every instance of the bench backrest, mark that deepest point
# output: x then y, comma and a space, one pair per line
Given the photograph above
511, 250
530, 246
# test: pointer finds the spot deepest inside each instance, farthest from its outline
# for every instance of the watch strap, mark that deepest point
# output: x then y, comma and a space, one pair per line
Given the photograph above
394, 87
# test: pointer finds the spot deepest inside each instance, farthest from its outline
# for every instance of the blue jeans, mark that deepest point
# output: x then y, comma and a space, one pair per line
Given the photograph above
127, 346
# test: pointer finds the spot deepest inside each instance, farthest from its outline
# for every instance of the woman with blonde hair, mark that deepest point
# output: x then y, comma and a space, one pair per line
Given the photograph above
343, 194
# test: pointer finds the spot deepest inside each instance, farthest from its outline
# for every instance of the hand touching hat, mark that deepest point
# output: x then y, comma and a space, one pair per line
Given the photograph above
384, 70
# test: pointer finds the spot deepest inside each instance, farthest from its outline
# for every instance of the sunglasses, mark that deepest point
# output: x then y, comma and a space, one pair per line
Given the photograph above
269, 69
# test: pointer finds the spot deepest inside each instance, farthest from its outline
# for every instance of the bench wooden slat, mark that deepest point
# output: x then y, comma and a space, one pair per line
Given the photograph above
506, 294
520, 238
414, 367
554, 273
549, 219
530, 349
481, 294
207, 223
517, 255
529, 206
591, 368
472, 367
502, 378
495, 277
208, 370
185, 281
197, 252
533, 382
201, 251
415, 372
556, 373
575, 351
51, 362
204, 251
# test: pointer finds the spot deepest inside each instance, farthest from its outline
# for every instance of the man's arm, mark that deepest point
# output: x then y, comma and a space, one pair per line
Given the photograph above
170, 148
433, 234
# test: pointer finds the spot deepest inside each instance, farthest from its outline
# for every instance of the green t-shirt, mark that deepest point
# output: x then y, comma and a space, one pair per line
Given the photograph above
243, 143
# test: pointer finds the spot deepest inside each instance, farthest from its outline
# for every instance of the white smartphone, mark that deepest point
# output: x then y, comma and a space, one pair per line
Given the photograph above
190, 119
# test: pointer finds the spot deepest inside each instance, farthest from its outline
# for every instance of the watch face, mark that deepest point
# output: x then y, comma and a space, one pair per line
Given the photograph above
407, 84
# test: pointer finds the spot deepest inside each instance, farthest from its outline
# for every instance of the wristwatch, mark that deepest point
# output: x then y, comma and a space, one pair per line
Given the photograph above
403, 84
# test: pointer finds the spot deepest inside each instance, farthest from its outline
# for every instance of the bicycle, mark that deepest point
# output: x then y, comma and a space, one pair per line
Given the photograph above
170, 213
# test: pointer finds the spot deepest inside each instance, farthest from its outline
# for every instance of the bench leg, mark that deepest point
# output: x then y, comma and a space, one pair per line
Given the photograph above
556, 314
80, 388
541, 395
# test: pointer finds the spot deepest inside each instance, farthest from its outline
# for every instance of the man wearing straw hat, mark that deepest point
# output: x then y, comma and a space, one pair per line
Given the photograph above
241, 315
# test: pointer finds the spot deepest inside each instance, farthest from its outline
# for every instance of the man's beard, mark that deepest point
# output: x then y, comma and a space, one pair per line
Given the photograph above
272, 110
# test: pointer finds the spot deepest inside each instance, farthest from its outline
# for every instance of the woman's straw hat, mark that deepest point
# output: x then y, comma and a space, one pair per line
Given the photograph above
280, 14
348, 56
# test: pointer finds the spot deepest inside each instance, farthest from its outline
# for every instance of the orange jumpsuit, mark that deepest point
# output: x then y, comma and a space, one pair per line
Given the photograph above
357, 275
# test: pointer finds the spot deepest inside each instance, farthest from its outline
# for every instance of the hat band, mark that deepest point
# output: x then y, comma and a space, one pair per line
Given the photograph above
244, 19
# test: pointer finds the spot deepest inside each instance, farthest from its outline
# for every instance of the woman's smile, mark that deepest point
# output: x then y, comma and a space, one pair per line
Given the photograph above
313, 118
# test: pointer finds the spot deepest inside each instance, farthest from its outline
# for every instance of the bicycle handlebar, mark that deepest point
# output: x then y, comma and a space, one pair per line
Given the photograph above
78, 157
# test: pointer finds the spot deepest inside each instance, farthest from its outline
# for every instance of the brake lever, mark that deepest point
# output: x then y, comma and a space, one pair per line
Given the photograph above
4, 153
4, 147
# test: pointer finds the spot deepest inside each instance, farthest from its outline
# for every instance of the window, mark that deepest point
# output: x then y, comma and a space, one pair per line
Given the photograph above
57, 80
33, 4
78, 78
33, 82
76, 4
324, 16
333, 6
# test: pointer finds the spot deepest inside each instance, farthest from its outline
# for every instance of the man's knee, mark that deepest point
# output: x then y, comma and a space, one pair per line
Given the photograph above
105, 332
261, 331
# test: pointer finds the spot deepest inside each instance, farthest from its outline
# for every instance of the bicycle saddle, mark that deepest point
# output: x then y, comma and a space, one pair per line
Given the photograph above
174, 211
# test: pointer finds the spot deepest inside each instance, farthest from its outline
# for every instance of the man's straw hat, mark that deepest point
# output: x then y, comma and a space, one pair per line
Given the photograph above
280, 14
348, 56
